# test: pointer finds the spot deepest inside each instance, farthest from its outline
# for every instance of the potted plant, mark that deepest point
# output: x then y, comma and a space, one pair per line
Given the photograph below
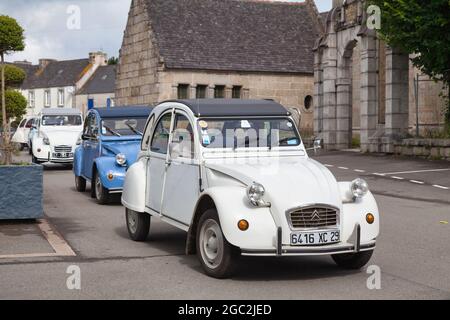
21, 185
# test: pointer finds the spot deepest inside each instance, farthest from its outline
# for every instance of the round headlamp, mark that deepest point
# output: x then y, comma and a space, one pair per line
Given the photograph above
121, 159
255, 193
45, 140
359, 188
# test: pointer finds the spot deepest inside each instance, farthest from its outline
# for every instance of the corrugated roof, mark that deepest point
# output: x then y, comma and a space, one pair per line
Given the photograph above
235, 35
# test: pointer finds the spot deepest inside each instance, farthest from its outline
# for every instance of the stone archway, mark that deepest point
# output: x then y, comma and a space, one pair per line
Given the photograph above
333, 83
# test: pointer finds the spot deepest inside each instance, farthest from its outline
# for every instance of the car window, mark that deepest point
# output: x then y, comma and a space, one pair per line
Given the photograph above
29, 123
147, 134
183, 137
160, 138
22, 123
90, 126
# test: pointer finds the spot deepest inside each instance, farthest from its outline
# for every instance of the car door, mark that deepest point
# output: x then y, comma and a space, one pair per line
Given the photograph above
157, 164
90, 144
181, 186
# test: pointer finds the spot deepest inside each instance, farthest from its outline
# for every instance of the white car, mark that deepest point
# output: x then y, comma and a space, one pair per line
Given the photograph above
56, 136
235, 175
20, 137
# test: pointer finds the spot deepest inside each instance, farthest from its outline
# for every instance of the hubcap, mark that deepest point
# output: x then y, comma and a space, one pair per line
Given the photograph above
98, 187
211, 243
132, 220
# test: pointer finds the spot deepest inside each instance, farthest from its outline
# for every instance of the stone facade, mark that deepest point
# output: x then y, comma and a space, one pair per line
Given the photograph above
363, 87
426, 148
144, 78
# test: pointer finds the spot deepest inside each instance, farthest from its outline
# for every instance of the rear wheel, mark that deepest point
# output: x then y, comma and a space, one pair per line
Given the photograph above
352, 261
138, 225
217, 256
80, 184
101, 193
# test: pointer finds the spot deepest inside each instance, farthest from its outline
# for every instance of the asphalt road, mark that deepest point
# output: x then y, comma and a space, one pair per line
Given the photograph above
413, 250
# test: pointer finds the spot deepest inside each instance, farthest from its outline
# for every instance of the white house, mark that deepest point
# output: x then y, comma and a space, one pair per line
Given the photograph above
54, 84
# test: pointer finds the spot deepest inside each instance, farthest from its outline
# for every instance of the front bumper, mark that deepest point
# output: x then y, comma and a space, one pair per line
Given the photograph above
338, 248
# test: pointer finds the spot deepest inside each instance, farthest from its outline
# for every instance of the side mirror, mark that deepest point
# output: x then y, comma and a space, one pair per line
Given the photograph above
318, 143
84, 137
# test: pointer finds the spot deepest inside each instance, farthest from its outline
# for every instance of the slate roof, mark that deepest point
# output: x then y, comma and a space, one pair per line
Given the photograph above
235, 35
233, 107
103, 81
55, 74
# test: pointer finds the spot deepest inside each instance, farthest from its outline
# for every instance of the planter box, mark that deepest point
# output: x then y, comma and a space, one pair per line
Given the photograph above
21, 192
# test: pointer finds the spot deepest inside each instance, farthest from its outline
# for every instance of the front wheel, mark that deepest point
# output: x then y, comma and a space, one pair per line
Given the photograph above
101, 193
217, 256
138, 225
352, 261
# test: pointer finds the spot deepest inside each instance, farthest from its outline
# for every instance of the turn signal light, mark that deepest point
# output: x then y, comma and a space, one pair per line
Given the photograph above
243, 225
110, 176
370, 218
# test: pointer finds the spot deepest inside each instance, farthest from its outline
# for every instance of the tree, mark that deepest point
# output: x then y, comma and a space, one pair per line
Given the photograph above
14, 76
422, 28
113, 61
11, 39
16, 105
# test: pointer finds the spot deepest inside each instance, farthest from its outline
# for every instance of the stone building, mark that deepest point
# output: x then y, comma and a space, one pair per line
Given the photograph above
365, 89
219, 49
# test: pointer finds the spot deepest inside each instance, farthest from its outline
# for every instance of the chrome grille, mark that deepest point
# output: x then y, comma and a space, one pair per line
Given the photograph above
313, 217
63, 149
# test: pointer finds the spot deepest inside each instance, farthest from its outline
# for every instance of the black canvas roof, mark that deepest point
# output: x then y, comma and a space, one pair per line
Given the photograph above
234, 107
130, 111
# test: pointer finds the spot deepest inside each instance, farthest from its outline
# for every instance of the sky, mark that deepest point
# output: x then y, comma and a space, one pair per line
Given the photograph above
70, 29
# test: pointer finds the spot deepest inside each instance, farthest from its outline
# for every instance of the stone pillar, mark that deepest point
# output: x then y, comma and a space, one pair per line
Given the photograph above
397, 94
318, 93
368, 93
343, 113
329, 92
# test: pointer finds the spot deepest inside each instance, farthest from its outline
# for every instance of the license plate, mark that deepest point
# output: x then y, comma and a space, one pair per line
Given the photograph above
63, 155
315, 238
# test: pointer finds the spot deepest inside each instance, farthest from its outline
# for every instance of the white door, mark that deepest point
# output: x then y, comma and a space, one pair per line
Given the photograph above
157, 165
182, 186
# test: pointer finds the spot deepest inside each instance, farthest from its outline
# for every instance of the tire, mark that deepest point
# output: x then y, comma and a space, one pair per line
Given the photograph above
352, 261
101, 193
80, 184
22, 146
30, 150
138, 225
35, 160
217, 256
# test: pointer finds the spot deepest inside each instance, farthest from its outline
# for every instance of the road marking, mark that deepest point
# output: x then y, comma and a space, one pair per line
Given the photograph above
359, 170
56, 241
379, 174
418, 171
417, 182
440, 187
397, 178
329, 165
343, 168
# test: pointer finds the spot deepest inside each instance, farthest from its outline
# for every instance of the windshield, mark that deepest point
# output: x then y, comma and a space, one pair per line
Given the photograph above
248, 133
61, 120
123, 126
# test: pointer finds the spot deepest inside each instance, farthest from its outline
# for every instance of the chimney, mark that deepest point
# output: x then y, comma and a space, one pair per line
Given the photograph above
43, 63
98, 58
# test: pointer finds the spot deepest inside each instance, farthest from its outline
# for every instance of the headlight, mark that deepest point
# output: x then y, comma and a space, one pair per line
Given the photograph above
359, 188
46, 140
121, 159
255, 193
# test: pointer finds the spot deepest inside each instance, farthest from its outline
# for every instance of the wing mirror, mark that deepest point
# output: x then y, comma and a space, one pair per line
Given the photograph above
317, 144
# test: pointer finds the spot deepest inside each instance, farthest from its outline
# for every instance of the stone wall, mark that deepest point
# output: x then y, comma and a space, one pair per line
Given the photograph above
137, 72
288, 89
428, 148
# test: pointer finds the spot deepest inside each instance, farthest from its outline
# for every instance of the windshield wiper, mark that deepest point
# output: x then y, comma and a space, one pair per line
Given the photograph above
134, 130
112, 131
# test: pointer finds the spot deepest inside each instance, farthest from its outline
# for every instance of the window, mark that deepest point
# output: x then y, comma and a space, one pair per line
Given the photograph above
160, 138
31, 99
308, 102
29, 124
183, 91
237, 92
147, 134
60, 97
90, 126
201, 92
61, 120
129, 126
219, 92
183, 138
47, 101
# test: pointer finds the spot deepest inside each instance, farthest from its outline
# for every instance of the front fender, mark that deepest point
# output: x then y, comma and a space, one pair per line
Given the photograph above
107, 165
134, 188
232, 205
78, 161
